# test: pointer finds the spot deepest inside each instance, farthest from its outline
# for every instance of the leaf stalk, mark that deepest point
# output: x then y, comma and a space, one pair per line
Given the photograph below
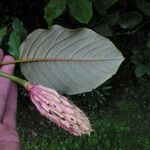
14, 78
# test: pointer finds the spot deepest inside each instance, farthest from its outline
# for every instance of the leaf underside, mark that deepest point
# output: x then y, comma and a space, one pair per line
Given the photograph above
102, 59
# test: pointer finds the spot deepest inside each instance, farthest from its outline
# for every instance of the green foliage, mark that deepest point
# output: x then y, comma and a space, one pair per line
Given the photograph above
141, 55
108, 20
148, 43
142, 69
19, 29
104, 29
54, 9
103, 5
3, 31
16, 35
81, 10
117, 19
130, 19
14, 43
144, 6
12, 33
112, 19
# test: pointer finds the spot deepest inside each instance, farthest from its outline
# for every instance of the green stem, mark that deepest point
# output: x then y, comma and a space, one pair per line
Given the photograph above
14, 78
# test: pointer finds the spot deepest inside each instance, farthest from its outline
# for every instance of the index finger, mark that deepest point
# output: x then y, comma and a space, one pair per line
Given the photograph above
9, 117
5, 84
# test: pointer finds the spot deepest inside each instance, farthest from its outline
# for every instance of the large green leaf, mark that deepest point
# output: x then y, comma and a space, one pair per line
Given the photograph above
82, 59
81, 10
54, 9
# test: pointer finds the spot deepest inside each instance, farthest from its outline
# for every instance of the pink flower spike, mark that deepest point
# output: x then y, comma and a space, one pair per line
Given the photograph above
59, 110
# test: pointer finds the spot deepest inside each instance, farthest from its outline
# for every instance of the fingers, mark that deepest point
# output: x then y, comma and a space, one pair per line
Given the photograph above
5, 84
9, 117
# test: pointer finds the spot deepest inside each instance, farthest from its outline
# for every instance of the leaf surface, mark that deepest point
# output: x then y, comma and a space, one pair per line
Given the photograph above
88, 59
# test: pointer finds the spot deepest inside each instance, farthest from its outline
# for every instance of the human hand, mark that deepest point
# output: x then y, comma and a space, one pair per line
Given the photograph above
9, 139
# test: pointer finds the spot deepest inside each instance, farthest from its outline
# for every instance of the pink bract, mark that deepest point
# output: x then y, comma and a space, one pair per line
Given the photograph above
59, 110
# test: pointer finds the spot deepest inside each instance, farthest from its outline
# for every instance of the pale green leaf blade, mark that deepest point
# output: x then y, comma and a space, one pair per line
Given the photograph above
70, 77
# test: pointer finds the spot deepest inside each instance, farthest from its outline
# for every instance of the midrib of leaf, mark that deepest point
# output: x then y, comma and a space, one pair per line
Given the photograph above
30, 60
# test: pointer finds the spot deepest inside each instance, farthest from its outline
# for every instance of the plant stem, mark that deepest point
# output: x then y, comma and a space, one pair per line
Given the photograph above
14, 78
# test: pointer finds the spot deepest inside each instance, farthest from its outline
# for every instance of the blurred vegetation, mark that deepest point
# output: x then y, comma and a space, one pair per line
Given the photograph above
121, 125
119, 108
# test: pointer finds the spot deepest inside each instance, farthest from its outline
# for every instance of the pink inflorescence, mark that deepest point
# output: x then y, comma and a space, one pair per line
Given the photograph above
59, 110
